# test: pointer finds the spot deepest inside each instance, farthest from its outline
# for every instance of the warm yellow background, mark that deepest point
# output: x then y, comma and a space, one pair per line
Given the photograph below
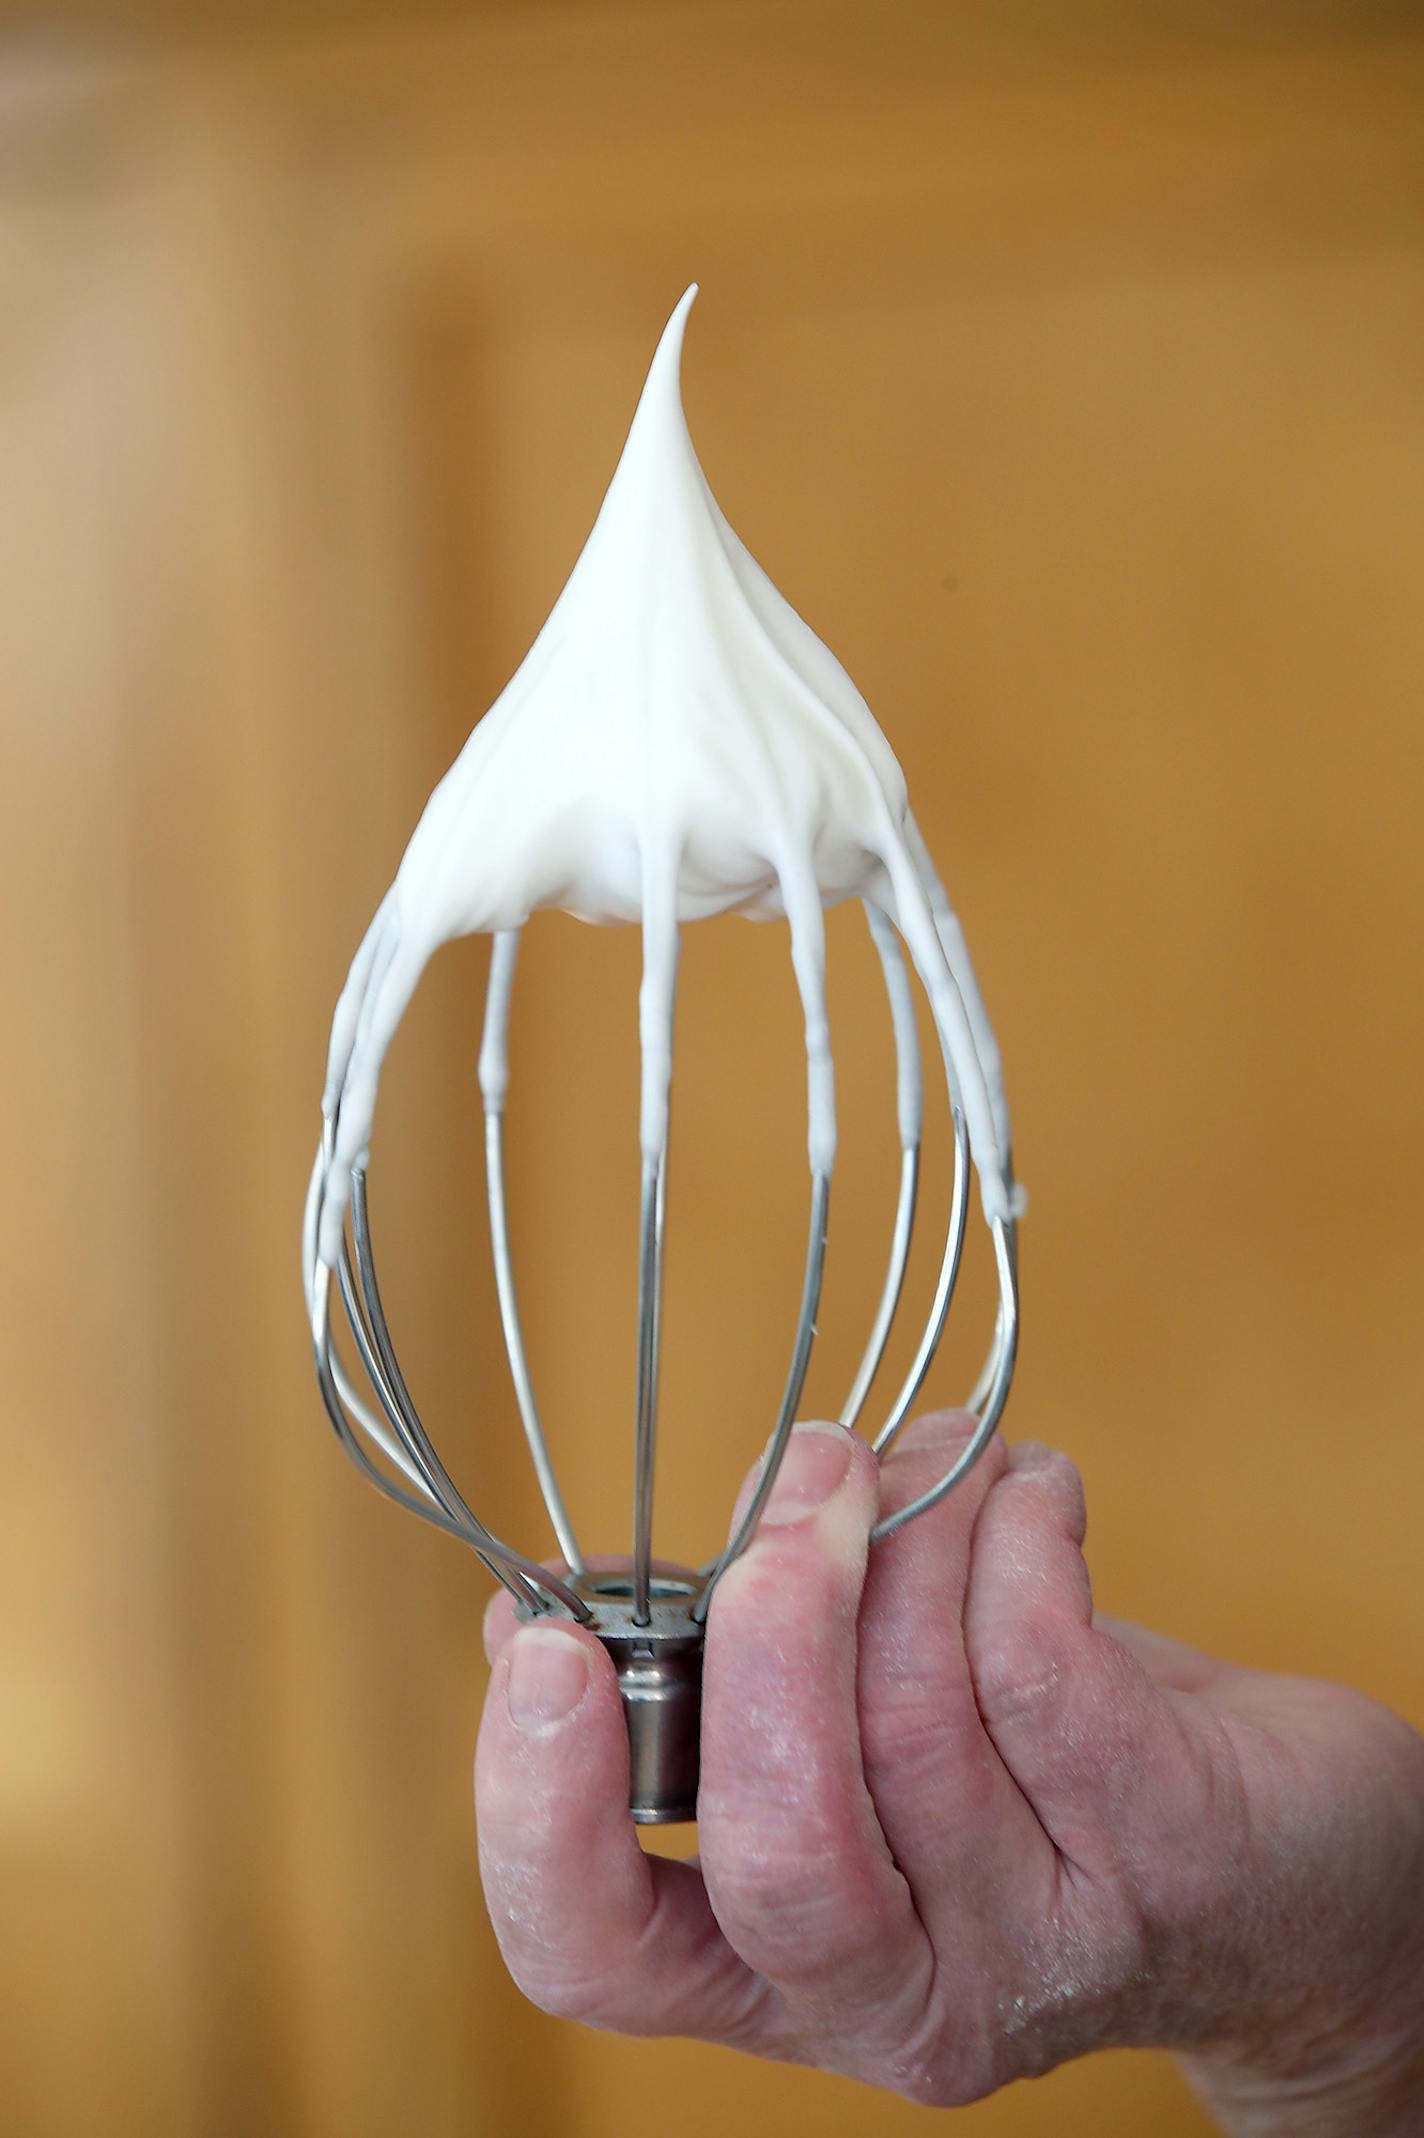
1064, 367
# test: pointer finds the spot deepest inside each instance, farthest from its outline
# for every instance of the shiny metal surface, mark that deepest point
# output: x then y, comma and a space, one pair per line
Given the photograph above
910, 1103
1005, 1351
791, 1396
651, 1623
645, 1432
944, 1287
658, 1658
407, 1445
494, 1081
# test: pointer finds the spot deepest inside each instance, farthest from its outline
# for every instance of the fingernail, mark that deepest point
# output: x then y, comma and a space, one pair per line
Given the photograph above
815, 1463
548, 1676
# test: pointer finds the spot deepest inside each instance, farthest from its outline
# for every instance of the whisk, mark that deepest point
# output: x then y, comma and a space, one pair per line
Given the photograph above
678, 743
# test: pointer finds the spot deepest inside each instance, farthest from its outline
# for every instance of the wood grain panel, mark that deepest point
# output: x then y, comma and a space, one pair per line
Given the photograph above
1068, 381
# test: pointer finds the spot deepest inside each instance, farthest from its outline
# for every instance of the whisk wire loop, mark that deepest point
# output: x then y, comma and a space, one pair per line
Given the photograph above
1005, 1349
407, 1446
317, 1284
791, 1397
650, 1261
652, 1624
944, 1288
494, 1075
416, 1438
910, 1107
329, 1375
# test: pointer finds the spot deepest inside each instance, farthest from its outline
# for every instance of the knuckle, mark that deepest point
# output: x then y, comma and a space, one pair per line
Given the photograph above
950, 2085
1059, 1475
547, 1968
1054, 1687
787, 1894
919, 1724
941, 2064
562, 1996
1026, 1676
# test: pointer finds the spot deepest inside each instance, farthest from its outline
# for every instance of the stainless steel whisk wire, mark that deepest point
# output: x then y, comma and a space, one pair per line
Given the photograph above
427, 1488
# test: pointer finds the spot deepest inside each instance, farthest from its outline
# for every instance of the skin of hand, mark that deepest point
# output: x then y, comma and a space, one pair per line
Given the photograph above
955, 1829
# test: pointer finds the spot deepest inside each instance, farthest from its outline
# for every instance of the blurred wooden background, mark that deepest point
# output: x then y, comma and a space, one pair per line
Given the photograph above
1064, 367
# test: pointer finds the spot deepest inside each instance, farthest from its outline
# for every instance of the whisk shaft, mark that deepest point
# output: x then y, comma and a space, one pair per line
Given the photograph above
650, 1287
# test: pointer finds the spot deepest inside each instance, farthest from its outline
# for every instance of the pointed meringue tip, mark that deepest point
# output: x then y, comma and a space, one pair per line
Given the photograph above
669, 349
661, 398
659, 425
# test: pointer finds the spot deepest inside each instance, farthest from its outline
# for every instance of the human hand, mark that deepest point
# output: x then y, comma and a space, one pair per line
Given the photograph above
955, 1830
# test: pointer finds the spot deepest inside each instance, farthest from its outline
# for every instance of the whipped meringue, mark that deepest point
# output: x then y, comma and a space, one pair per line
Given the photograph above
677, 743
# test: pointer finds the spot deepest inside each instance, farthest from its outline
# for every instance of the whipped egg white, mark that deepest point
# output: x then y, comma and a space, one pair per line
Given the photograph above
677, 743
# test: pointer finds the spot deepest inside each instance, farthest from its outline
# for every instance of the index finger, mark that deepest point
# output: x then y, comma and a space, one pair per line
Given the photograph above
797, 1866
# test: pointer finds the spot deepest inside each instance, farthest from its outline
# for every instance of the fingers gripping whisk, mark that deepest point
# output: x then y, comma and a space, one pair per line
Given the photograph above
651, 1622
677, 744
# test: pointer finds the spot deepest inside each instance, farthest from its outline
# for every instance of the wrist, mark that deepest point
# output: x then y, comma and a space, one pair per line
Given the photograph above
1326, 2038
1373, 2090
